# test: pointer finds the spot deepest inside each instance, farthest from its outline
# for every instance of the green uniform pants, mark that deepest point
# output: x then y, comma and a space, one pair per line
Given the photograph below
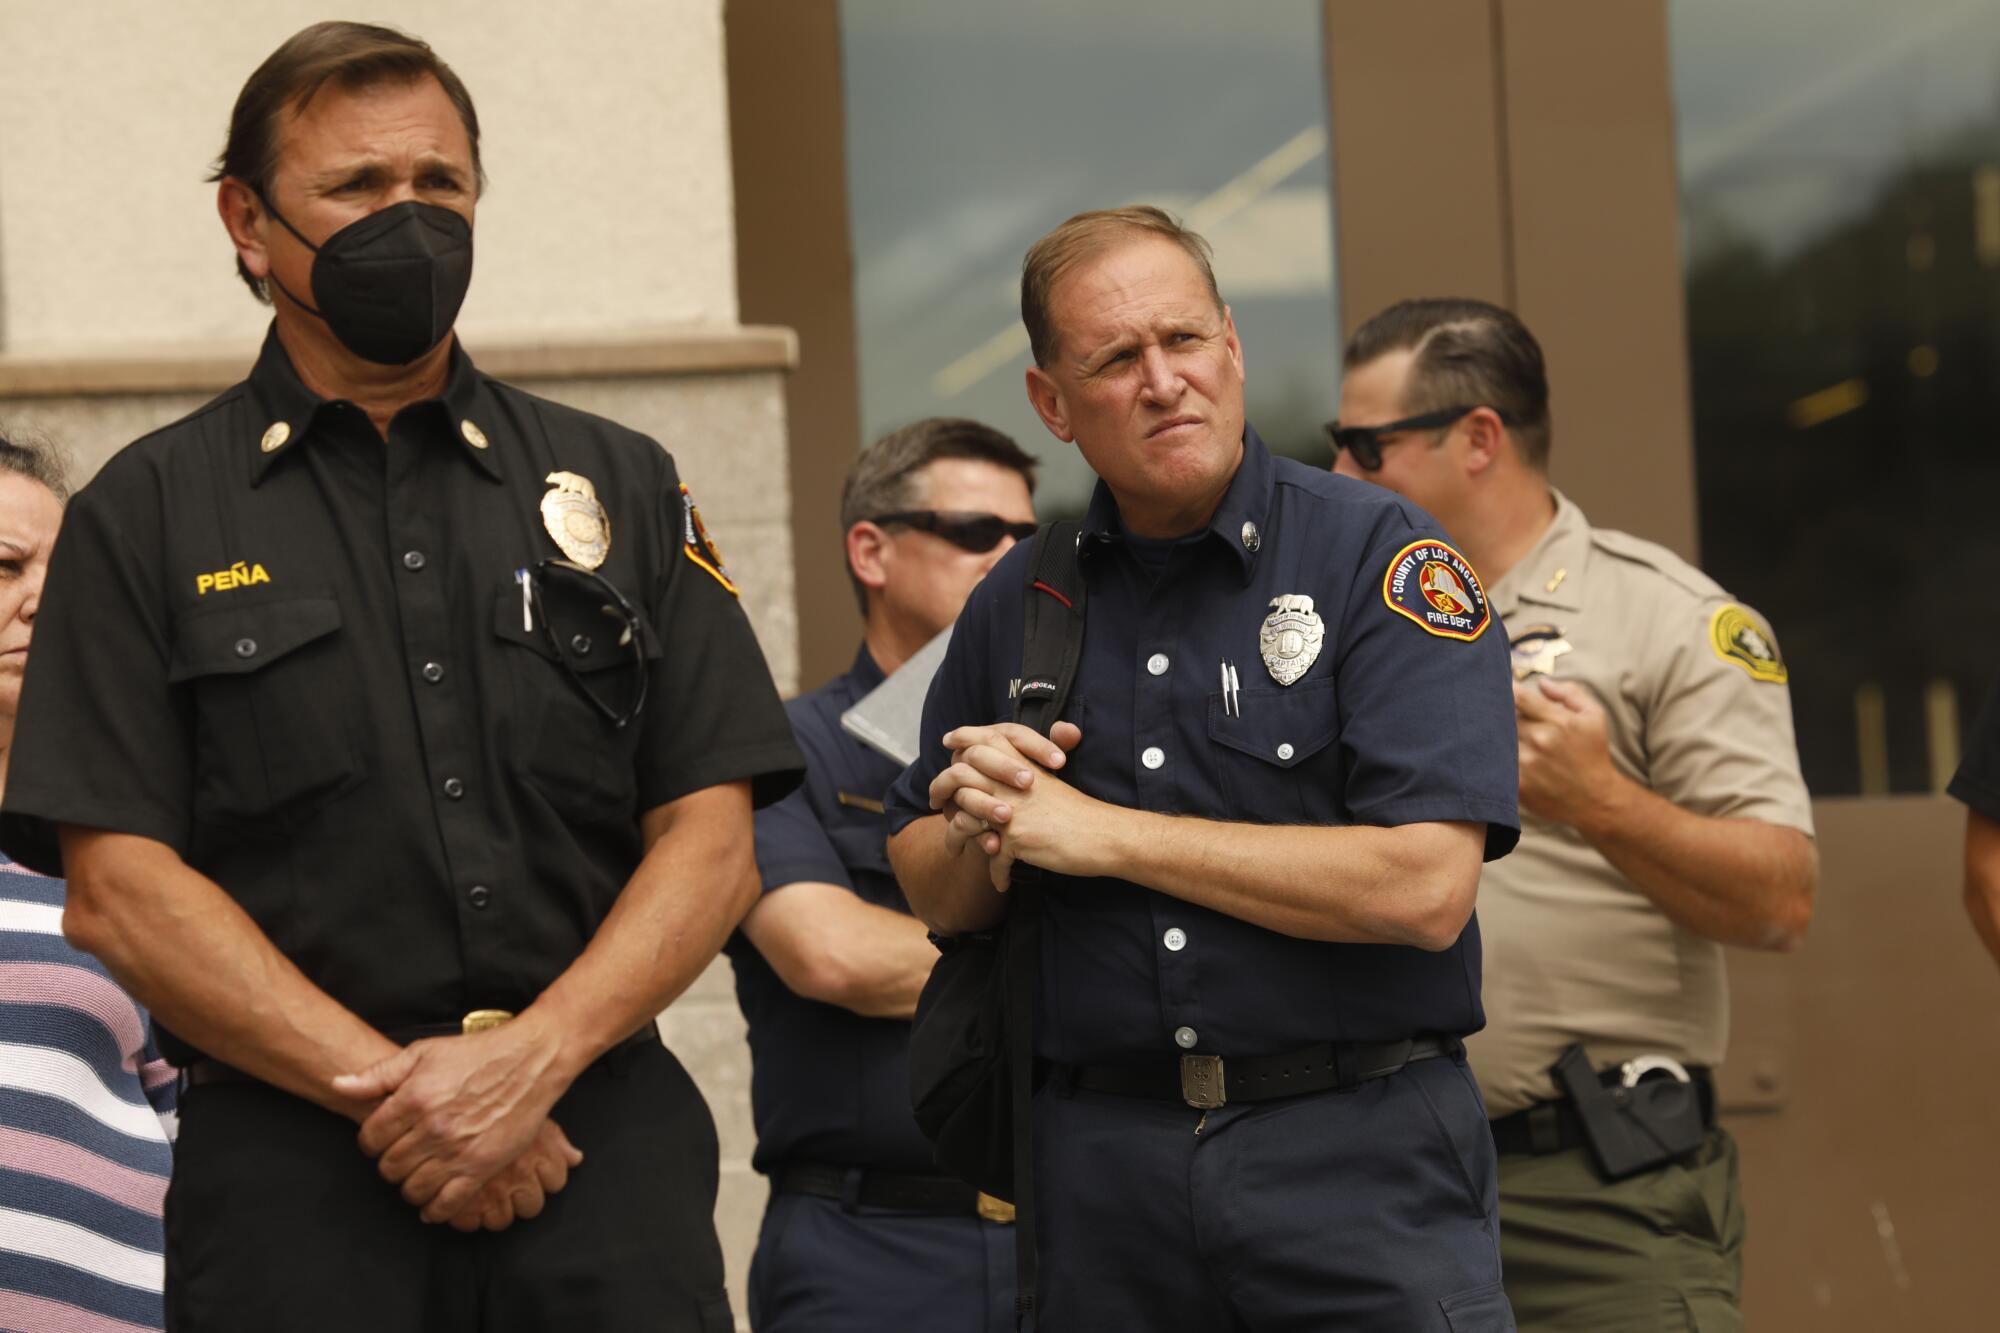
1660, 1251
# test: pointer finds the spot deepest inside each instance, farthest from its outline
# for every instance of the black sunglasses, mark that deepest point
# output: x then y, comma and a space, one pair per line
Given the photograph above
976, 533
579, 586
1365, 442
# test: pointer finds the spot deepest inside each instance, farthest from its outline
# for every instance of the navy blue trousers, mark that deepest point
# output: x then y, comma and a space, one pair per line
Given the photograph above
1374, 1208
823, 1268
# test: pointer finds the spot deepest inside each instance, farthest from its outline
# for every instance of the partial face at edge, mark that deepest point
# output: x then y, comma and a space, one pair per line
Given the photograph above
29, 517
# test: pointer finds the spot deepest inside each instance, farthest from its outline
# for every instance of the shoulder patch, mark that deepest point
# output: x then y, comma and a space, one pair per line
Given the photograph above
1737, 637
1436, 587
699, 547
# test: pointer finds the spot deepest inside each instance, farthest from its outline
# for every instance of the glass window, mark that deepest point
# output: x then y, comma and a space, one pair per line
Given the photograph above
973, 128
1840, 187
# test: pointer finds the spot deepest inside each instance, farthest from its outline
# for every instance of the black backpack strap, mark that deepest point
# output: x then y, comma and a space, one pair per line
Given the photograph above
1051, 647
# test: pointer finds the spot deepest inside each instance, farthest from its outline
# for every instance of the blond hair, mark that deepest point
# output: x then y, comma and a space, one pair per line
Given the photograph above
1083, 237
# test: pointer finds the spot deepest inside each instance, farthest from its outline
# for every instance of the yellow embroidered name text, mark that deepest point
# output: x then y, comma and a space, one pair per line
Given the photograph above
239, 575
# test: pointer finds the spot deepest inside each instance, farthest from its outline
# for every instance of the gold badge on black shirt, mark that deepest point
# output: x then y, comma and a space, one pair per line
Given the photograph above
576, 520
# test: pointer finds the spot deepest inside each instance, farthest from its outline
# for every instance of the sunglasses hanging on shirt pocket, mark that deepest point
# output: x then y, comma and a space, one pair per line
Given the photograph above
594, 633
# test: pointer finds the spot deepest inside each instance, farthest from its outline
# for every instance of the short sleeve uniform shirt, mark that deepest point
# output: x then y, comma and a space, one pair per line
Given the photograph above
828, 1085
305, 659
1977, 782
1384, 701
1694, 692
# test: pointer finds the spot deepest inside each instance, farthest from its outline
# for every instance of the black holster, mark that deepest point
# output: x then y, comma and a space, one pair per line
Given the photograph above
1633, 1129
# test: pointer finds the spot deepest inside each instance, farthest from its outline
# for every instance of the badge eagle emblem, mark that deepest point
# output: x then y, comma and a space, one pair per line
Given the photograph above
576, 520
1290, 637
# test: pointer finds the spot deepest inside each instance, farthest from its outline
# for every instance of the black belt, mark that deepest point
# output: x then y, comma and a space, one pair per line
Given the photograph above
1548, 1127
854, 1185
1209, 1081
205, 1071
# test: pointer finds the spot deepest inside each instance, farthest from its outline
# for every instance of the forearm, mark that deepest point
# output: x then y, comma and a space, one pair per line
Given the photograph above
695, 882
954, 895
187, 952
826, 944
1741, 882
1982, 879
1410, 885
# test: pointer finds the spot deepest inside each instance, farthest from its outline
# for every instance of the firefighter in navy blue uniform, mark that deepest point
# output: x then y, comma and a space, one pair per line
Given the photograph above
863, 1232
1288, 749
402, 732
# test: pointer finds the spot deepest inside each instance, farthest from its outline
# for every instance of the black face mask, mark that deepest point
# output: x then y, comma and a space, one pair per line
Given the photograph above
390, 284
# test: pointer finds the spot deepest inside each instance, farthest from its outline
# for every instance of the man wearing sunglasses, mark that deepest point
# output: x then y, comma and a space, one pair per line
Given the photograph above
862, 1233
1663, 817
1261, 823
403, 732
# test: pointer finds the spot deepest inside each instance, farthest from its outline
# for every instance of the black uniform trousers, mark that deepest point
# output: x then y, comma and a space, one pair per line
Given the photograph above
1375, 1208
823, 1266
276, 1220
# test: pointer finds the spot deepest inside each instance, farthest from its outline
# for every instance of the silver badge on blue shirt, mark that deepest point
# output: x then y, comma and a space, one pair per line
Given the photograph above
1290, 637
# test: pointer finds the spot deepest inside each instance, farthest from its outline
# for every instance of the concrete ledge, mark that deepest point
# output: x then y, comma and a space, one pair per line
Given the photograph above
208, 369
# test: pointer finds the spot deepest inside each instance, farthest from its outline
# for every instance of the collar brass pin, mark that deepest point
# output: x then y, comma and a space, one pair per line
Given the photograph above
576, 520
473, 435
1251, 541
275, 437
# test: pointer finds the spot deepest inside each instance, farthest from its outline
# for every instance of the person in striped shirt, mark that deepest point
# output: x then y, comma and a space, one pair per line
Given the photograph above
86, 1102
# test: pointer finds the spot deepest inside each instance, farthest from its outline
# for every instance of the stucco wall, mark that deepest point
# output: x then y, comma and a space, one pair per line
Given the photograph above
605, 140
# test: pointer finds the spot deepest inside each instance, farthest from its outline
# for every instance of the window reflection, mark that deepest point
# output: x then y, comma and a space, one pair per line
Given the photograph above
973, 128
1840, 184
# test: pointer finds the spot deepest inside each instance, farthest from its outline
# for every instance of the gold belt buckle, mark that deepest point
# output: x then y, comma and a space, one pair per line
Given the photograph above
479, 1020
1201, 1082
994, 1210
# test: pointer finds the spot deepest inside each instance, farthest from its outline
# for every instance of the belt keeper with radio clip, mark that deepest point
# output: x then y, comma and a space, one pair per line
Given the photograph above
1631, 1128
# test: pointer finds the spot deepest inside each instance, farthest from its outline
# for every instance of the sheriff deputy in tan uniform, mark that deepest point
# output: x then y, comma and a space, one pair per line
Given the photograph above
1663, 816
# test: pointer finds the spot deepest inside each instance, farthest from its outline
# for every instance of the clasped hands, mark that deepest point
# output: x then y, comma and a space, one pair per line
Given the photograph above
1000, 793
462, 1124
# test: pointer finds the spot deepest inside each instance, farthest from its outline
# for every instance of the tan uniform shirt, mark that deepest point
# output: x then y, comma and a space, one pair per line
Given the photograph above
1697, 710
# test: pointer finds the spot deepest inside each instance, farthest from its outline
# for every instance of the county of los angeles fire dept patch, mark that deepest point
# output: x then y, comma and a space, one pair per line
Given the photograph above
698, 546
1436, 587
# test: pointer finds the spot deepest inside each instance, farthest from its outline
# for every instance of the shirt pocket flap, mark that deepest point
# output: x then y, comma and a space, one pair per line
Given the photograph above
590, 642
239, 639
1283, 727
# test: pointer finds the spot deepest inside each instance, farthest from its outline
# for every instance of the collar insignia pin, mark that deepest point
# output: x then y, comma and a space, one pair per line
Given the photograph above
576, 520
1290, 638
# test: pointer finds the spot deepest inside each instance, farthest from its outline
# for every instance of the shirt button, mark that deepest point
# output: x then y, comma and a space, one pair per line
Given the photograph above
1285, 751
413, 560
1153, 756
246, 647
433, 672
479, 895
1157, 664
580, 645
1175, 939
1185, 1038
454, 788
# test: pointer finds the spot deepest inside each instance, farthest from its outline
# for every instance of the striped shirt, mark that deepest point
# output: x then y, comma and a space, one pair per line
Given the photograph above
86, 1105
